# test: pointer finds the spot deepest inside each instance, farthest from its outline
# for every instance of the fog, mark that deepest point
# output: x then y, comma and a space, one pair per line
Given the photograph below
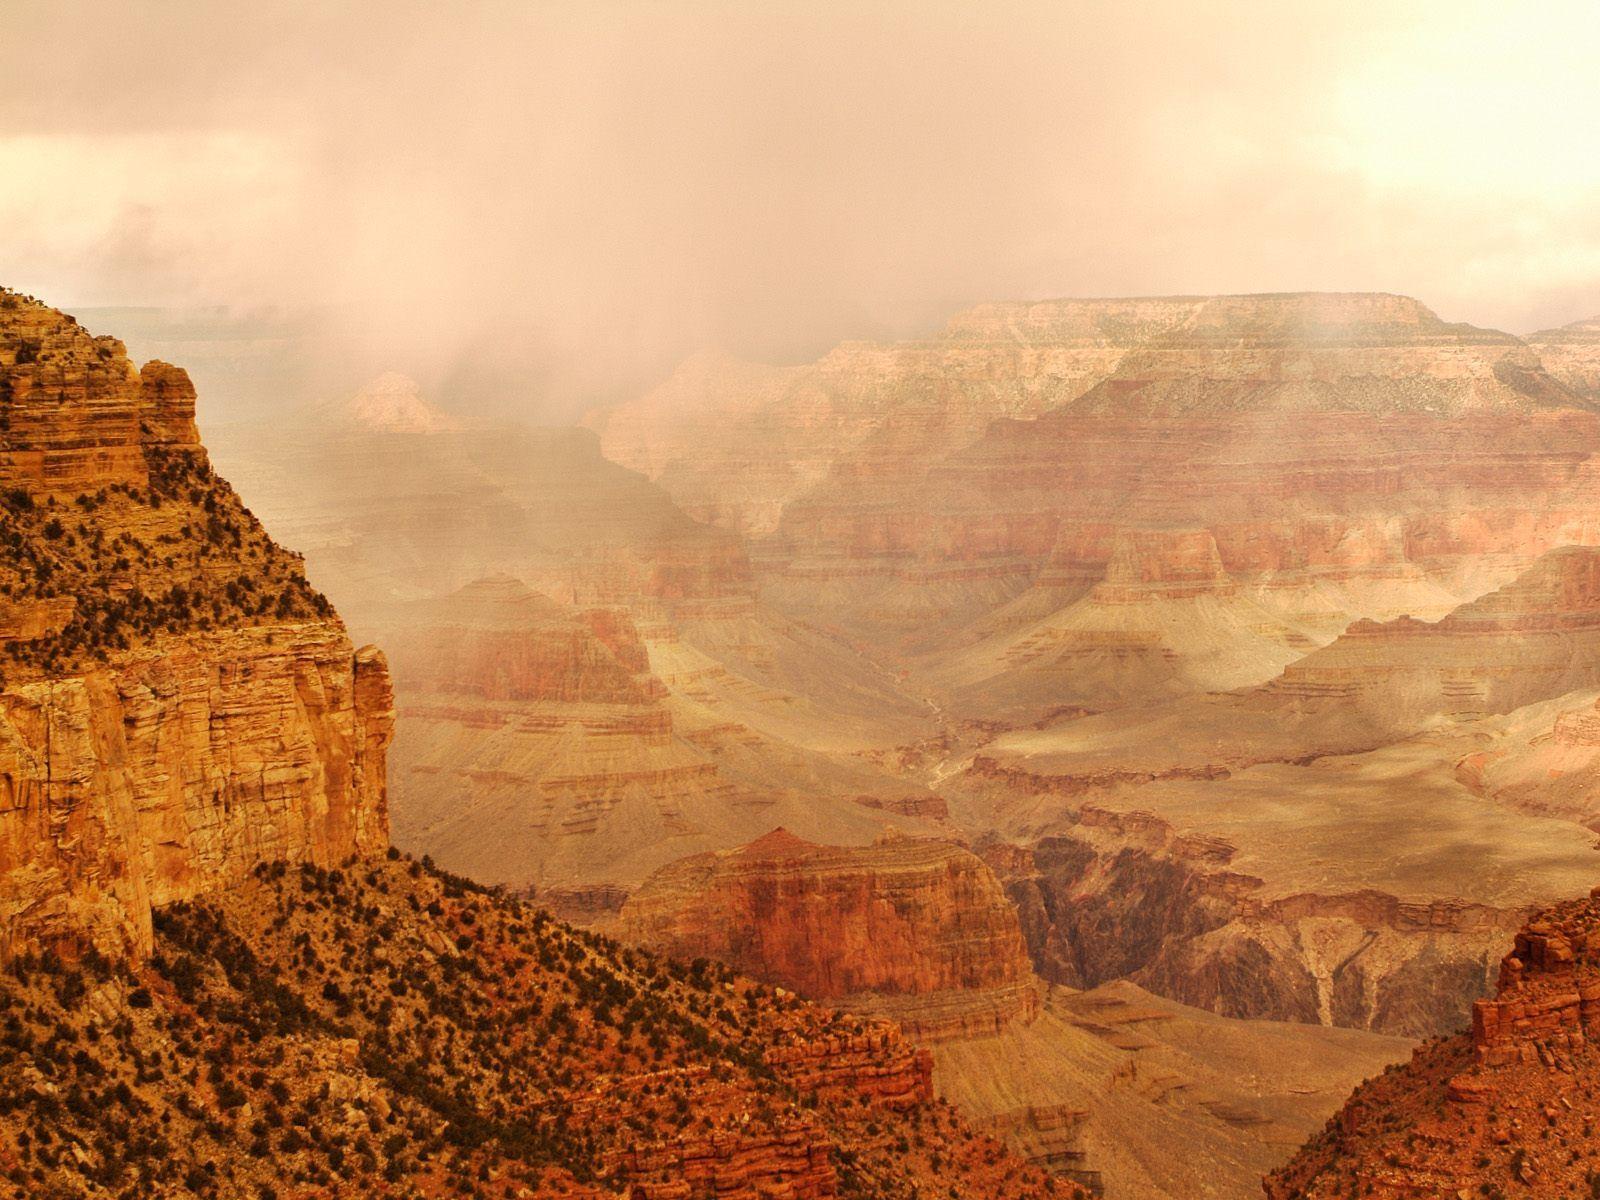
545, 206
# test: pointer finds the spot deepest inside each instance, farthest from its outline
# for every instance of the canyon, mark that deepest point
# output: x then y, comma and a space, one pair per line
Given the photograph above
194, 825
1135, 685
1116, 1088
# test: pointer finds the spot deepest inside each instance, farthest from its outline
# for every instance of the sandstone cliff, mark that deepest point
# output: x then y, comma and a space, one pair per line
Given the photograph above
176, 702
911, 928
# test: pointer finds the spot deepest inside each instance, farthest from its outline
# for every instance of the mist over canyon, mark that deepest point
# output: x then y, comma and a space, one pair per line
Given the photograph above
703, 601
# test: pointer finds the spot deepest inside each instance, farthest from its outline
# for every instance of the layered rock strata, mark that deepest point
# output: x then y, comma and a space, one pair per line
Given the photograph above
381, 1028
711, 435
909, 928
536, 743
1218, 485
1126, 896
176, 702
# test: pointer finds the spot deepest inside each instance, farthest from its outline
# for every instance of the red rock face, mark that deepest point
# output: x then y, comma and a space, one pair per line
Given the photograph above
916, 929
1548, 1001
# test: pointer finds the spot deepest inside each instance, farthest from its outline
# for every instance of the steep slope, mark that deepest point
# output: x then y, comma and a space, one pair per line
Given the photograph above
1113, 1087
1149, 1100
381, 1030
1509, 1108
176, 701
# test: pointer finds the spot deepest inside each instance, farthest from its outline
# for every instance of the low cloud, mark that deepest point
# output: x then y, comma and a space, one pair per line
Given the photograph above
551, 204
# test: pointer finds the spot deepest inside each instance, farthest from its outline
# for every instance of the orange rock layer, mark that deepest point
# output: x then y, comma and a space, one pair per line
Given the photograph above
914, 929
176, 704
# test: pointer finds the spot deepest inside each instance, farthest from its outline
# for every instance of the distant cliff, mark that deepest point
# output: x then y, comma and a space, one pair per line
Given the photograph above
912, 928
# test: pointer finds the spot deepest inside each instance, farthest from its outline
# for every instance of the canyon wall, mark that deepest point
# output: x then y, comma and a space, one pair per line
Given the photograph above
734, 443
176, 703
910, 928
1097, 502
1126, 897
1572, 355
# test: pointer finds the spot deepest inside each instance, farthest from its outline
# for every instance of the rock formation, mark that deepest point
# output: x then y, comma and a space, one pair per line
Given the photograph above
1112, 1087
1534, 639
734, 443
538, 746
194, 893
1508, 1107
911, 928
1309, 837
176, 702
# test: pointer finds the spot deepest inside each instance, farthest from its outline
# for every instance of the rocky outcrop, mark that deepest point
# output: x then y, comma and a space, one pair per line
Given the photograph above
1548, 1001
909, 928
880, 1065
1502, 1107
72, 403
439, 1040
735, 1164
176, 703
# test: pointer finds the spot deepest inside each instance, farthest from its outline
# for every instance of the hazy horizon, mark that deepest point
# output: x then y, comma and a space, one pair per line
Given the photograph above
557, 203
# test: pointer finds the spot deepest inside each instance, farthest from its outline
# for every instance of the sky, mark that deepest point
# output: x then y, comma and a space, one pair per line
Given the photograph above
549, 205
